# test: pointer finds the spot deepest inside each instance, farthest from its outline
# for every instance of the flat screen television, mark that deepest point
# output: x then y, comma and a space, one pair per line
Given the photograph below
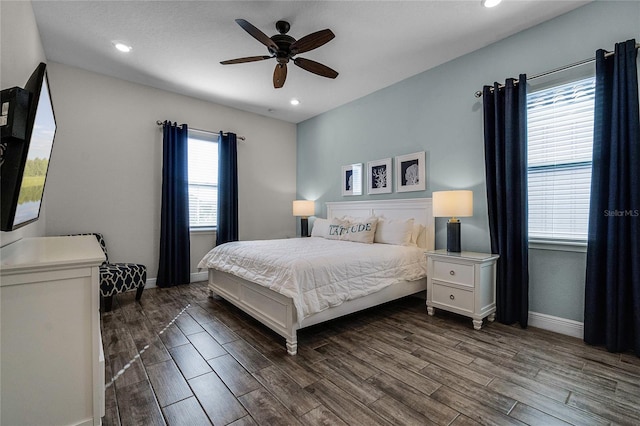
25, 156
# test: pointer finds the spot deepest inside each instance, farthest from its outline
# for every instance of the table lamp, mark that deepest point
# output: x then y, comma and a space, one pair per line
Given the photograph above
453, 204
304, 209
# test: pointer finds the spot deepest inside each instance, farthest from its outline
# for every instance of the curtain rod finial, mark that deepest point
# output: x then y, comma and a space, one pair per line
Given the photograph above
478, 94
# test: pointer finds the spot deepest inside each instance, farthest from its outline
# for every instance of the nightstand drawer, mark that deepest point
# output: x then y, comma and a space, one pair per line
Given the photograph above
453, 272
453, 297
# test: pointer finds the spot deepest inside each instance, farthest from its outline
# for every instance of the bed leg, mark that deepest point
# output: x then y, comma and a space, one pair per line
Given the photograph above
292, 346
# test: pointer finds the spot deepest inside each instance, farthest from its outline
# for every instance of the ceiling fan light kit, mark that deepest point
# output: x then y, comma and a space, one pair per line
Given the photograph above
284, 48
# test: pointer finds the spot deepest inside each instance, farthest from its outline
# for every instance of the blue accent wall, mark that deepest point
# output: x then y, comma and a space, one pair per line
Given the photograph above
436, 112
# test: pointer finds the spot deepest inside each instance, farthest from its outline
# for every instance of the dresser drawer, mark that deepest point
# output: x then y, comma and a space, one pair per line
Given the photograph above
453, 272
452, 297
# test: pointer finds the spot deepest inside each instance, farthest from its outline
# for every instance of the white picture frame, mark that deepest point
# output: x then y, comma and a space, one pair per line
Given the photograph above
351, 179
379, 176
410, 172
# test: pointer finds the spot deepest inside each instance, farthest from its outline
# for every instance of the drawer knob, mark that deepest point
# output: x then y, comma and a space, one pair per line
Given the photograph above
452, 272
452, 297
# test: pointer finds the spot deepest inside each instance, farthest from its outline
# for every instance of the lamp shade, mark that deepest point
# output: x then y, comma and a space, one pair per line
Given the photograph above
304, 208
453, 203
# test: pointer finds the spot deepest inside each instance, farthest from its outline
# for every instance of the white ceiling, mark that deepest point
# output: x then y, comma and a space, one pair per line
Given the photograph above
178, 45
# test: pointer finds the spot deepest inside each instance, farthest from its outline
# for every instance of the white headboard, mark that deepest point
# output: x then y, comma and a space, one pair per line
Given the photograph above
420, 209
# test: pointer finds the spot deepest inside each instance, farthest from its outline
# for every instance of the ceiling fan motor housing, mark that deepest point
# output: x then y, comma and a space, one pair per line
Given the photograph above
284, 43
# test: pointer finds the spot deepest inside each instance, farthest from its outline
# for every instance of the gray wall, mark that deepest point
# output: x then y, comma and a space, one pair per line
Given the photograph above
106, 167
436, 111
21, 52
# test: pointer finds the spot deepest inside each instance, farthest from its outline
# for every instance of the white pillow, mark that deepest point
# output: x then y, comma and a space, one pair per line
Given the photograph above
415, 233
320, 228
394, 231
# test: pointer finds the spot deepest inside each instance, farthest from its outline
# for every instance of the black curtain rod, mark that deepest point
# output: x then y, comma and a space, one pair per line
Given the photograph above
564, 68
242, 138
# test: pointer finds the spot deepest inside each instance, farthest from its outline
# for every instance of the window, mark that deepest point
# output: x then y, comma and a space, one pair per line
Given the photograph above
560, 143
203, 180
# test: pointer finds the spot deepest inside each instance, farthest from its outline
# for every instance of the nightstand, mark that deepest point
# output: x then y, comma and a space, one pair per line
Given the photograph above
464, 283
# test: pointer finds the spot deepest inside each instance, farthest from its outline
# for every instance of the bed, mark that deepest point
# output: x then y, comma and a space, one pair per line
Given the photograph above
275, 303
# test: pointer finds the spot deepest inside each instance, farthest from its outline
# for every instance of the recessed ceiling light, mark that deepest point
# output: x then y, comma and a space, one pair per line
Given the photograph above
122, 47
295, 102
491, 3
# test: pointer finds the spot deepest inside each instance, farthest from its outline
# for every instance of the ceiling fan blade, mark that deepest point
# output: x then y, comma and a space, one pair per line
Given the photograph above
312, 41
247, 59
315, 67
257, 34
279, 75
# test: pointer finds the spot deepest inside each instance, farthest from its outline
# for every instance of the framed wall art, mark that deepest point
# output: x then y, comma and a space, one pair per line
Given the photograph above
410, 172
379, 176
352, 179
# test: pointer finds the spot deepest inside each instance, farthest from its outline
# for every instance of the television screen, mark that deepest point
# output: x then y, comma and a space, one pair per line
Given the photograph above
25, 159
37, 164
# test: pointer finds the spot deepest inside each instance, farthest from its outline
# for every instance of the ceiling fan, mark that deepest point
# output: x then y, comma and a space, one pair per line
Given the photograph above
283, 47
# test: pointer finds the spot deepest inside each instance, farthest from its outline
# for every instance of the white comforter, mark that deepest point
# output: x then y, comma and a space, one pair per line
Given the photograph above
318, 273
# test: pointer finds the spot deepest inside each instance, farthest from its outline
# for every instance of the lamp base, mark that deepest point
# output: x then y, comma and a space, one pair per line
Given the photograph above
453, 237
304, 227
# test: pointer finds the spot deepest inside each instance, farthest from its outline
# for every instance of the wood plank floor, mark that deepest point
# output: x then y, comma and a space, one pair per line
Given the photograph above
182, 358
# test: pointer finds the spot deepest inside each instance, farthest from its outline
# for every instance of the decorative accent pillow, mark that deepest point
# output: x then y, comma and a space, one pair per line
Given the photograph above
361, 230
394, 231
336, 228
320, 228
356, 230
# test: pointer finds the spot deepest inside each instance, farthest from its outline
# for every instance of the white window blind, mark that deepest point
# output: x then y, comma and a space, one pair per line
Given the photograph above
203, 180
560, 143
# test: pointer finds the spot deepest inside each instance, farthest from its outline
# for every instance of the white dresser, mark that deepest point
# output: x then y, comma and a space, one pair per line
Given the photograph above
51, 358
464, 283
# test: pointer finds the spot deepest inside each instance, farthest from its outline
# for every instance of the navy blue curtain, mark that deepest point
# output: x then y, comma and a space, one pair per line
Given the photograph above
505, 145
227, 189
612, 288
174, 266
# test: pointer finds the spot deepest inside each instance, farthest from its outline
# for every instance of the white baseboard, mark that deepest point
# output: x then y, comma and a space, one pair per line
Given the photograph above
556, 324
199, 276
195, 277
